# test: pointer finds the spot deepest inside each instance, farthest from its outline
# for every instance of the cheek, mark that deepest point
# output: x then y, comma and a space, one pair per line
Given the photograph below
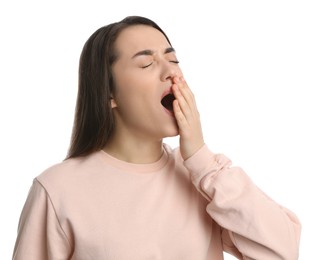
133, 94
134, 87
122, 89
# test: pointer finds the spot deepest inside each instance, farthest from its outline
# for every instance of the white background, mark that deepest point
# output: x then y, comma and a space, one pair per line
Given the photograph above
253, 66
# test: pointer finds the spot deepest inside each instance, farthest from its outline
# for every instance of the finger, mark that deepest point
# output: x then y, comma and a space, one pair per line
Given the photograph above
181, 119
185, 91
186, 99
182, 103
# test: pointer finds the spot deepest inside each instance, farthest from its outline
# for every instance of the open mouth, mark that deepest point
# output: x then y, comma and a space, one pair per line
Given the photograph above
167, 101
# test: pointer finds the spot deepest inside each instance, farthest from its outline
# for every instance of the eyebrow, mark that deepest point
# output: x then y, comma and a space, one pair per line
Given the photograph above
150, 52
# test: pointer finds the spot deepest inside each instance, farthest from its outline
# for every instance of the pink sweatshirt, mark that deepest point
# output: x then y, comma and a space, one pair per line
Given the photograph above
98, 208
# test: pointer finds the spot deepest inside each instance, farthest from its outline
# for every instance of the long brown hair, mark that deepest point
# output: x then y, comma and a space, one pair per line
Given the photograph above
94, 121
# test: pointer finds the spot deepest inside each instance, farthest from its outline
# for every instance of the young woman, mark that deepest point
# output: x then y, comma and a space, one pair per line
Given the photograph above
122, 193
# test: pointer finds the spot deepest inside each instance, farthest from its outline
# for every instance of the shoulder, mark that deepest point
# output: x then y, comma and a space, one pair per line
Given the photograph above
64, 173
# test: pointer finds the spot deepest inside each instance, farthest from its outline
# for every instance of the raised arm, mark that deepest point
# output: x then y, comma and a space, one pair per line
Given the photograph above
254, 226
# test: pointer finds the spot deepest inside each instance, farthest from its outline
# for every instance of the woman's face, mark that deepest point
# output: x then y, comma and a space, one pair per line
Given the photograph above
143, 76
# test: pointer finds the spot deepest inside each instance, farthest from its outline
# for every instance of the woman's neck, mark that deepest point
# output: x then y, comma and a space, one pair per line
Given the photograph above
133, 150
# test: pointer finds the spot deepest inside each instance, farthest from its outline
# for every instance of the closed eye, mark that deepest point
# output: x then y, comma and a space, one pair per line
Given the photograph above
146, 66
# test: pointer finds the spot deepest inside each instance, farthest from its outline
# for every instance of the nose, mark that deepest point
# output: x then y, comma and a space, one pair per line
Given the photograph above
169, 70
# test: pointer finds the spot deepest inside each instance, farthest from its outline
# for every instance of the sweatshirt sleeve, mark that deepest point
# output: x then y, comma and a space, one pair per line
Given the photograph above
40, 236
253, 225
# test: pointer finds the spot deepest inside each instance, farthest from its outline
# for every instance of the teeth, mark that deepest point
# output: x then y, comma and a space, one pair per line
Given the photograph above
167, 101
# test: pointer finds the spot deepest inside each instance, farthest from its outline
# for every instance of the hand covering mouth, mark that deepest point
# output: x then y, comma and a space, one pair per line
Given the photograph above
167, 101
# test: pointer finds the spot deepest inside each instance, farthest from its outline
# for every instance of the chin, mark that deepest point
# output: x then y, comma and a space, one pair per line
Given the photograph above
167, 126
171, 132
172, 135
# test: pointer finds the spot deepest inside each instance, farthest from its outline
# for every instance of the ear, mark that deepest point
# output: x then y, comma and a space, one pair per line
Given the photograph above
113, 103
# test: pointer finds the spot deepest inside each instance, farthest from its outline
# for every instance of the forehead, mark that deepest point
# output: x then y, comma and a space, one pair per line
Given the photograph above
140, 37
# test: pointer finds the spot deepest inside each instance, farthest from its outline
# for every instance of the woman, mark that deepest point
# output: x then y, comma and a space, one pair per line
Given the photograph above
122, 193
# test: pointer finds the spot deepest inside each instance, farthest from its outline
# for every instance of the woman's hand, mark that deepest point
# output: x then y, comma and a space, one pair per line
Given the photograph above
188, 118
